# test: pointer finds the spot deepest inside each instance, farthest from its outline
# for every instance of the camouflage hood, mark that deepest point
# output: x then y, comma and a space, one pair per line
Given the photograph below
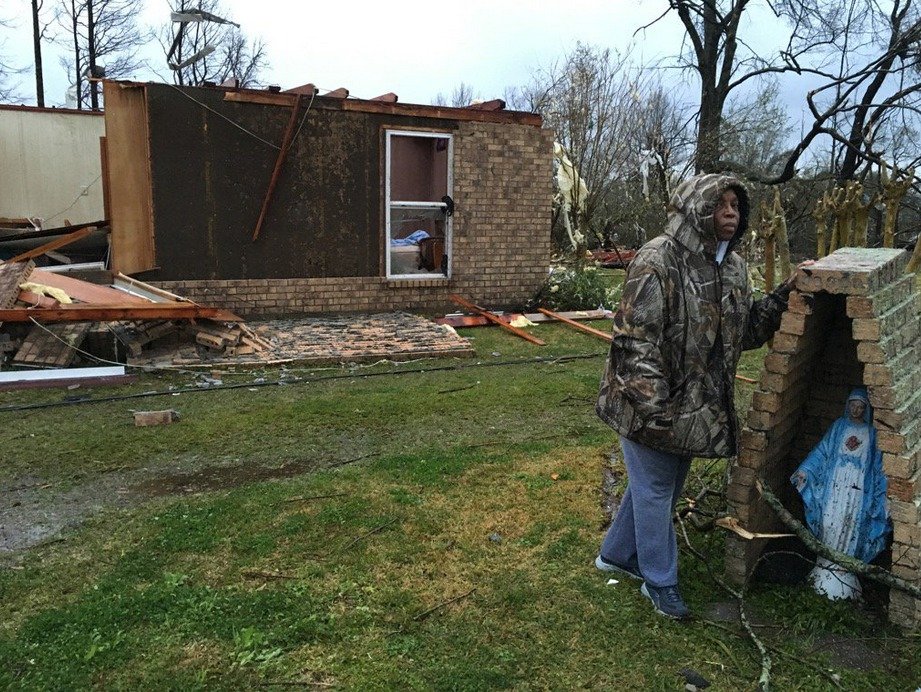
691, 208
682, 324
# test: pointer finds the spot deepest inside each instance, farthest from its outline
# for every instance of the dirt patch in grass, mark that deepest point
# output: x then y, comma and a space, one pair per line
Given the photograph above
36, 511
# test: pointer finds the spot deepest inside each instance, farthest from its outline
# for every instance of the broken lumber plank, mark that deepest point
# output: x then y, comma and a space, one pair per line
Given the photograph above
572, 323
229, 335
53, 245
79, 312
495, 319
279, 162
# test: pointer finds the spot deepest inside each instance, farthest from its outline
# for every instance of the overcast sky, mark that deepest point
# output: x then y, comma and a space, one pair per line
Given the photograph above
416, 49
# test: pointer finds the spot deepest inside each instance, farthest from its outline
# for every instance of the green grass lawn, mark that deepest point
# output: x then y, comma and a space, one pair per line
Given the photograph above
455, 554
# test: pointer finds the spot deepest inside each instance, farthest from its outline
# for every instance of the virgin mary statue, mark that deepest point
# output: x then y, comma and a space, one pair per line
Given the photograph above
844, 494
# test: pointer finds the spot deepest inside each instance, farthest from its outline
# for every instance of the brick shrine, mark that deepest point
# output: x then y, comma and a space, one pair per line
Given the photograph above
854, 319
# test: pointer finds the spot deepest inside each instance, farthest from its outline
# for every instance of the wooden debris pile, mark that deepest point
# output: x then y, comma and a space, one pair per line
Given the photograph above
50, 320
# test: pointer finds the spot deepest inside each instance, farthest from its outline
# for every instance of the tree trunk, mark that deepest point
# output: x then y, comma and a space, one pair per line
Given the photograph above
91, 55
78, 78
37, 44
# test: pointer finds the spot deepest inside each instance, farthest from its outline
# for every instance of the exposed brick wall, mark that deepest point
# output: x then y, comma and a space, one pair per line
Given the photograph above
501, 240
855, 319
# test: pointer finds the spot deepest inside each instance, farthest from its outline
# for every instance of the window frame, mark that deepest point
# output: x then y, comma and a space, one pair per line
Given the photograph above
390, 204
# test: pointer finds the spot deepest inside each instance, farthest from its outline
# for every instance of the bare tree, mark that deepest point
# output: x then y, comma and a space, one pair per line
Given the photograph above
864, 52
754, 130
588, 99
462, 95
213, 50
39, 31
8, 89
105, 38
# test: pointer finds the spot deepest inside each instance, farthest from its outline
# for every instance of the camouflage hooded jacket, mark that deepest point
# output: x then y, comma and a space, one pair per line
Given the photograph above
682, 324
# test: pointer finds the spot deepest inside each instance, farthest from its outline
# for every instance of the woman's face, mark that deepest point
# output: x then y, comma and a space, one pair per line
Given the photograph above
726, 215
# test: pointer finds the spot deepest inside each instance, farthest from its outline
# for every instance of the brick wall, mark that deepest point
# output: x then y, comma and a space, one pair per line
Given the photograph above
854, 319
501, 240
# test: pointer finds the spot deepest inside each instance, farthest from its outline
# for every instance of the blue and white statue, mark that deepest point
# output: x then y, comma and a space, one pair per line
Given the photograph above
844, 494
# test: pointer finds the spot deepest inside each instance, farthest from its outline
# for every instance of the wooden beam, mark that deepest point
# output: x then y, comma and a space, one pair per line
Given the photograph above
78, 312
52, 245
572, 323
492, 317
494, 105
306, 89
386, 108
51, 232
276, 172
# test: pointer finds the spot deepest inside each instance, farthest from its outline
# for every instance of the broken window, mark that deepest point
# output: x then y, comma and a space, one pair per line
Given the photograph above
419, 205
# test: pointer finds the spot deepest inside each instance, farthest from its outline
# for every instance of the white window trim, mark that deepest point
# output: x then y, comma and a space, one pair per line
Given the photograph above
389, 204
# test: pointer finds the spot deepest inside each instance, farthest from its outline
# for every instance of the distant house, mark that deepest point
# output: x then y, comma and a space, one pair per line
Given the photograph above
375, 205
49, 158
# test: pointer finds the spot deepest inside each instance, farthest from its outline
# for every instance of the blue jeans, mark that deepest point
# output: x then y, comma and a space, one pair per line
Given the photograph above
642, 532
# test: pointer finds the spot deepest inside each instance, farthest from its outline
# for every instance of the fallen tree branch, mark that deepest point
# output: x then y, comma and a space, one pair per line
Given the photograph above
764, 680
848, 562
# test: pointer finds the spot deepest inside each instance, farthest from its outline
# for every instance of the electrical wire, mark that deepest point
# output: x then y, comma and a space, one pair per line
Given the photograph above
76, 199
283, 382
224, 117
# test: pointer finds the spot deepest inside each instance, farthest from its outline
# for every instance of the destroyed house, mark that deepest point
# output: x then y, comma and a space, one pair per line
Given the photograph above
271, 203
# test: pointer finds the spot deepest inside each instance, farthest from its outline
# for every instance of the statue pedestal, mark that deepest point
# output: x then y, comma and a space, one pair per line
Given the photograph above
833, 581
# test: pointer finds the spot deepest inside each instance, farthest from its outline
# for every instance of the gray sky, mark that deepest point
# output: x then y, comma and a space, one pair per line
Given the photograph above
414, 48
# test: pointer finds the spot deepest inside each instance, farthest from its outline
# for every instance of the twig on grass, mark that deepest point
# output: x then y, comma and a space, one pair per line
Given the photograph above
425, 613
351, 461
457, 389
749, 627
308, 498
263, 574
764, 680
363, 536
832, 677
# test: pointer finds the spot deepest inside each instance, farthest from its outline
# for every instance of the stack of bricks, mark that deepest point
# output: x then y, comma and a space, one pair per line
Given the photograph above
854, 319
500, 250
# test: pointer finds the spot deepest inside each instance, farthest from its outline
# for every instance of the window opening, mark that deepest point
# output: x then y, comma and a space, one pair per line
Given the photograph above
419, 205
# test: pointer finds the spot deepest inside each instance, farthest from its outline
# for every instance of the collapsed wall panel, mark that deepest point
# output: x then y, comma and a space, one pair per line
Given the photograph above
50, 160
129, 185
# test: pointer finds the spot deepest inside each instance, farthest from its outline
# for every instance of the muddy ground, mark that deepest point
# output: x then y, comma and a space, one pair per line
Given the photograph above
35, 511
